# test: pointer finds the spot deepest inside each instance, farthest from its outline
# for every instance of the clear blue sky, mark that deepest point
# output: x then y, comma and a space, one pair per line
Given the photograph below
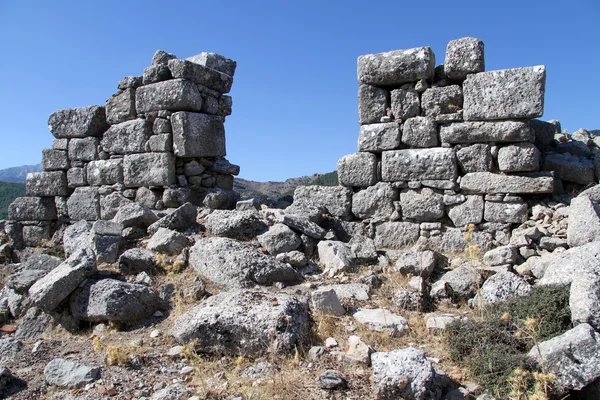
295, 89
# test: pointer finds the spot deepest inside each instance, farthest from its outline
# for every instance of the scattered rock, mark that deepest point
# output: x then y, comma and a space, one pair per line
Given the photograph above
65, 373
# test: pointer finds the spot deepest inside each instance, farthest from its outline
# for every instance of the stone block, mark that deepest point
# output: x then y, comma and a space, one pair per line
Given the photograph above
506, 213
477, 132
121, 107
149, 169
215, 61
358, 170
55, 160
156, 73
418, 164
127, 137
396, 67
337, 200
105, 172
420, 132
76, 177
225, 105
396, 235
161, 57
405, 104
130, 82
464, 56
487, 182
32, 209
84, 204
85, 149
422, 204
522, 157
60, 144
570, 168
505, 94
47, 184
375, 201
438, 101
198, 135
160, 143
544, 133
201, 74
78, 122
467, 212
373, 103
474, 158
376, 138
172, 95
584, 221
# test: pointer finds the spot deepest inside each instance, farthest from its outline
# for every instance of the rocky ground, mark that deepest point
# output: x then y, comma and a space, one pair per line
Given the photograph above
261, 302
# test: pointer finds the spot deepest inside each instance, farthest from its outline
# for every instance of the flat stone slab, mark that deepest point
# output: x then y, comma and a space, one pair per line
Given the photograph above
149, 169
477, 132
505, 94
396, 67
381, 320
418, 164
46, 184
78, 122
487, 182
198, 135
201, 74
32, 209
173, 95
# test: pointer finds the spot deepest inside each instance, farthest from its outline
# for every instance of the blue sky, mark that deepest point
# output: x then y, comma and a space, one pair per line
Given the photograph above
295, 88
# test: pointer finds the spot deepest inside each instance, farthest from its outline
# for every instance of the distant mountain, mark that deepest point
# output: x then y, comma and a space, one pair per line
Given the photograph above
8, 192
17, 174
276, 190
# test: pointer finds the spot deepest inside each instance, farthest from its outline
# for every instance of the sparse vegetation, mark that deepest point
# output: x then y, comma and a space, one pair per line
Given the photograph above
9, 192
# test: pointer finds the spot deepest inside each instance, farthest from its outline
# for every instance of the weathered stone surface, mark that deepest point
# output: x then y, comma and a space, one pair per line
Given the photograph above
584, 221
464, 56
381, 320
487, 182
373, 103
459, 283
403, 373
358, 351
85, 149
76, 177
573, 357
522, 157
47, 184
358, 169
331, 379
506, 213
562, 268
55, 160
113, 300
374, 201
405, 104
498, 131
438, 323
326, 302
161, 57
544, 133
53, 288
184, 217
504, 286
105, 172
416, 165
130, 82
452, 240
244, 322
156, 73
168, 242
335, 257
501, 255
376, 138
417, 263
105, 240
584, 299
220, 199
570, 167
201, 74
422, 204
32, 209
336, 199
127, 137
136, 260
31, 270
135, 215
121, 107
172, 95
78, 122
475, 158
504, 94
279, 239
84, 203
438, 101
419, 132
66, 373
467, 212
233, 264
215, 61
77, 236
149, 169
198, 135
396, 67
302, 224
396, 235
241, 225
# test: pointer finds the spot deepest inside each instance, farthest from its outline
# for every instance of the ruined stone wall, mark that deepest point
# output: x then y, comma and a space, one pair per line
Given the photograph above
444, 147
159, 141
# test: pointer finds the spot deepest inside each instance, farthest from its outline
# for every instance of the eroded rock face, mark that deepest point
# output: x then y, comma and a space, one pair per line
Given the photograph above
244, 322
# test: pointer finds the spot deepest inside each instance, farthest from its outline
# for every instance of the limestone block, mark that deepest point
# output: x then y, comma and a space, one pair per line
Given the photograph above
442, 100
85, 149
55, 160
358, 169
396, 67
468, 212
396, 235
520, 157
405, 103
78, 122
201, 74
121, 107
49, 183
474, 132
570, 167
76, 177
32, 209
84, 203
173, 95
475, 158
415, 165
105, 172
422, 205
375, 201
372, 104
420, 132
464, 56
487, 182
149, 169
376, 138
198, 135
215, 61
506, 213
127, 137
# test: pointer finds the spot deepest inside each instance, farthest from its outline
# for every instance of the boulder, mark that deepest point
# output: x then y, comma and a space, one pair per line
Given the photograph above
336, 199
326, 302
570, 168
504, 286
464, 56
66, 373
242, 225
233, 264
181, 219
501, 255
77, 236
358, 351
302, 224
417, 263
134, 261
584, 221
245, 322
335, 257
396, 67
381, 320
584, 299
168, 241
105, 240
78, 122
135, 215
459, 283
279, 239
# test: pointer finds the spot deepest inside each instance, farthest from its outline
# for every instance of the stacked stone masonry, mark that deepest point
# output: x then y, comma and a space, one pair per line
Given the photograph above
159, 141
454, 144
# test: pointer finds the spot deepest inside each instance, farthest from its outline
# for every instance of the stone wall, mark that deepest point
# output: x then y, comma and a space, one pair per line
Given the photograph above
159, 141
444, 147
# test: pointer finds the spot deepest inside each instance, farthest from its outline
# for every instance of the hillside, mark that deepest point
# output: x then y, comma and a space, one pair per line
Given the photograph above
8, 192
276, 190
17, 174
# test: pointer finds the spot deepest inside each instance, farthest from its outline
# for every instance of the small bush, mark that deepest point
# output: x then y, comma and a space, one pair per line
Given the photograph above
496, 346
